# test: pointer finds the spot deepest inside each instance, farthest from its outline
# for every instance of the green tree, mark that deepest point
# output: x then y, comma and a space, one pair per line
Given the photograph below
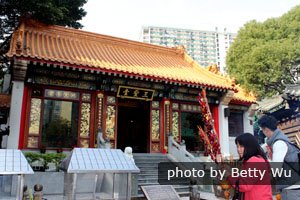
59, 12
262, 54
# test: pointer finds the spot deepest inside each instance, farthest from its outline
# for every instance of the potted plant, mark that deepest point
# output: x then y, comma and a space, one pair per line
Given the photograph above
32, 158
57, 159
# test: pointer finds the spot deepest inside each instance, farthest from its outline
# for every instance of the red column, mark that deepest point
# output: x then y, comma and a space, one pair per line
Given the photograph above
165, 122
215, 115
23, 117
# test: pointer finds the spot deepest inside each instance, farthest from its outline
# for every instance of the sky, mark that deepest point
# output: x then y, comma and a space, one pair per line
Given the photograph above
125, 18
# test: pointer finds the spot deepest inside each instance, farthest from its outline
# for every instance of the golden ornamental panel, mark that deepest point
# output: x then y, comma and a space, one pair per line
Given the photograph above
183, 107
33, 142
155, 124
84, 143
155, 147
86, 97
85, 120
100, 102
88, 77
62, 94
85, 85
63, 82
42, 79
155, 104
175, 106
175, 125
110, 122
111, 100
35, 115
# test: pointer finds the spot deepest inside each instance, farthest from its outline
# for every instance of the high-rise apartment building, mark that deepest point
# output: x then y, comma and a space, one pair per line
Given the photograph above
206, 47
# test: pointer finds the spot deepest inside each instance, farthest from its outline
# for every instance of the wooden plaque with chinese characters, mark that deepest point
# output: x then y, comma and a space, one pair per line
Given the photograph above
135, 93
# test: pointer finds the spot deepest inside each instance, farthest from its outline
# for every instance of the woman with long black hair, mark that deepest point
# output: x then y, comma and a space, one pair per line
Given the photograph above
255, 181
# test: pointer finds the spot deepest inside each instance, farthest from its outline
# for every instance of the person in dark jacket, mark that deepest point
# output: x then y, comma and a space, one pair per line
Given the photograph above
281, 152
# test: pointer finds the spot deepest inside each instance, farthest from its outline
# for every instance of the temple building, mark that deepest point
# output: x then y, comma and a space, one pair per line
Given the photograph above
68, 85
285, 107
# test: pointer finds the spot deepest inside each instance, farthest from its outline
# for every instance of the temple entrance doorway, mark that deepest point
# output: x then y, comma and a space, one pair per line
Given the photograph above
133, 125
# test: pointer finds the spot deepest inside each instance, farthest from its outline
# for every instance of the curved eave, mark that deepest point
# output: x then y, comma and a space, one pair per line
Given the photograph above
121, 72
242, 102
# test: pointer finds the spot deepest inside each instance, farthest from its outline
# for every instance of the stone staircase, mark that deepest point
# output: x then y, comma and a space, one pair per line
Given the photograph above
148, 164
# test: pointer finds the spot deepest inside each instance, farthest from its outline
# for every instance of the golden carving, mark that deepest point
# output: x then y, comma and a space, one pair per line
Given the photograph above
100, 95
86, 97
155, 104
111, 100
155, 124
35, 114
85, 120
32, 142
175, 126
84, 143
167, 102
155, 147
175, 106
110, 122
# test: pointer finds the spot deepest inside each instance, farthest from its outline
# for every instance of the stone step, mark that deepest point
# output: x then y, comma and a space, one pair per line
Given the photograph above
147, 171
146, 164
140, 161
184, 194
149, 161
147, 176
149, 155
141, 181
181, 190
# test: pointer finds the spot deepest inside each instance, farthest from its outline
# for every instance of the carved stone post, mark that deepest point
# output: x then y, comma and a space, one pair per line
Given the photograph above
38, 195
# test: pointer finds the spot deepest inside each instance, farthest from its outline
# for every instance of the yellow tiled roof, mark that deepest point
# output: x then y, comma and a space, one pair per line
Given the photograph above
243, 96
76, 48
240, 94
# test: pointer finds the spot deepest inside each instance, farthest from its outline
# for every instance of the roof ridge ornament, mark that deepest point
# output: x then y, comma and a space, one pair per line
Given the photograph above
20, 35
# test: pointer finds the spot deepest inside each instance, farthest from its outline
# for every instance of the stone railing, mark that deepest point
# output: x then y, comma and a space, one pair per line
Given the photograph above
178, 152
101, 142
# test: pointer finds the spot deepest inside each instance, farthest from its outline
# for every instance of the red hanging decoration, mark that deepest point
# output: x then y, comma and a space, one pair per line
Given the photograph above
209, 136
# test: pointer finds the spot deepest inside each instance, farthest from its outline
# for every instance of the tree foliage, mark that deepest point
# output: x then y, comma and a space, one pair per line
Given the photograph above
262, 54
59, 12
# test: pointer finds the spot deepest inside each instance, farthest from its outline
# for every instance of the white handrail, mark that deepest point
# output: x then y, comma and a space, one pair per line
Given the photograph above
179, 152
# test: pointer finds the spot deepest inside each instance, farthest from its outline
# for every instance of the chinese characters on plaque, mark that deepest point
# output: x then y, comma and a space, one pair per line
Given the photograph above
135, 93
